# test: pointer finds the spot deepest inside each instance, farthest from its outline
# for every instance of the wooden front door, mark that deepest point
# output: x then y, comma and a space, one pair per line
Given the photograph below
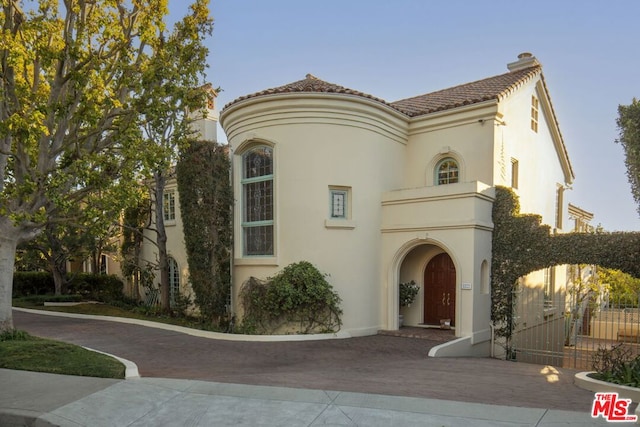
440, 290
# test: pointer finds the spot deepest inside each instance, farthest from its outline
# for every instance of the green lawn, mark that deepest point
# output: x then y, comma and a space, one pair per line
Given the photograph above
132, 312
19, 350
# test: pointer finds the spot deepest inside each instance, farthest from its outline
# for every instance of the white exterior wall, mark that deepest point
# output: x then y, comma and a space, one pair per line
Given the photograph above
322, 141
418, 224
466, 134
399, 218
540, 169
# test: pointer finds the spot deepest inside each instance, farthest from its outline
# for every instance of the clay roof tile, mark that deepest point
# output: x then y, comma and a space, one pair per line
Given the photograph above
469, 93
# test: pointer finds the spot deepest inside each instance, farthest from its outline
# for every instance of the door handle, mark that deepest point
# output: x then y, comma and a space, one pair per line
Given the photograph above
443, 298
448, 296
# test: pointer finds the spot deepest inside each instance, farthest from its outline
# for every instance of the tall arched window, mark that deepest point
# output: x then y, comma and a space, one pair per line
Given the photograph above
174, 280
257, 196
447, 171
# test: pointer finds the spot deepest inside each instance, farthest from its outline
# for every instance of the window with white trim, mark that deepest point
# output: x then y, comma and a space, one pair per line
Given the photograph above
339, 203
169, 205
534, 113
447, 171
257, 198
515, 171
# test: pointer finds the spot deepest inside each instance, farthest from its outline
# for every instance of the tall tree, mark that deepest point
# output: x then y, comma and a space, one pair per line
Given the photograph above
206, 200
71, 78
629, 127
174, 96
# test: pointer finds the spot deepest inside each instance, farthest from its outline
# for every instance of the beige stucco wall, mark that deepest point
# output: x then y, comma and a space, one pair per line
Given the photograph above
542, 171
540, 168
321, 141
466, 134
399, 218
419, 223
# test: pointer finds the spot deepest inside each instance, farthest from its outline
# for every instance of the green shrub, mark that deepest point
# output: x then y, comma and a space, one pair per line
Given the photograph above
32, 283
298, 297
99, 287
14, 335
617, 365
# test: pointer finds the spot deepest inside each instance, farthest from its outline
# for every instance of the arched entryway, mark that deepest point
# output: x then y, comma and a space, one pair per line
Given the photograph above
440, 290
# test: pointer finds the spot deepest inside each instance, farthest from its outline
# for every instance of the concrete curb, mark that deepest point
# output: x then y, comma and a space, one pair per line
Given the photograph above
195, 332
131, 369
583, 380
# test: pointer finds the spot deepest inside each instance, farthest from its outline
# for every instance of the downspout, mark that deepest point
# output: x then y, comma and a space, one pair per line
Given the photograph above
493, 338
233, 234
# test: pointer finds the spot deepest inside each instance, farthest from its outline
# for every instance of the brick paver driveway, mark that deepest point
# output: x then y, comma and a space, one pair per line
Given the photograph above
375, 364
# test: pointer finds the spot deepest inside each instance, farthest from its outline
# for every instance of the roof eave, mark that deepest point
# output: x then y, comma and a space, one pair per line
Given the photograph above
234, 106
554, 128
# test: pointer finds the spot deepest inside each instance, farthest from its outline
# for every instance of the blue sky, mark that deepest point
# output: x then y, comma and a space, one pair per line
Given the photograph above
589, 50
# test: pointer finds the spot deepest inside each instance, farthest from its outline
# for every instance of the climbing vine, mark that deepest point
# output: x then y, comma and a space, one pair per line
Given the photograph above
205, 204
521, 245
298, 297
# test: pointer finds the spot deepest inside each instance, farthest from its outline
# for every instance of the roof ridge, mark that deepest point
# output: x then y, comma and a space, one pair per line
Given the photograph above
493, 87
310, 84
467, 84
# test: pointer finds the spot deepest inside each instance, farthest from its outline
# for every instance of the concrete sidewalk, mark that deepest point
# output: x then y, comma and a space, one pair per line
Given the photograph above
36, 399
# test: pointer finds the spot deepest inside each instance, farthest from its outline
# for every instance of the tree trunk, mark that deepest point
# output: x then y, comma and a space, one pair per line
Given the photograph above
7, 260
162, 241
59, 278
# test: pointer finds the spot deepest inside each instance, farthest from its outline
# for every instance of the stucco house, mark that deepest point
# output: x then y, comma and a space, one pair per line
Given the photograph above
376, 193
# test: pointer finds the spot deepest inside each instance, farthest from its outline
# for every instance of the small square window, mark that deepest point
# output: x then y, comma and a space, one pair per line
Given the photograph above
340, 208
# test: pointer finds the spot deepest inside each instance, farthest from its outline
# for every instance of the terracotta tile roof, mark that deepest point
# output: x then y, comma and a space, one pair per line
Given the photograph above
309, 84
469, 93
465, 94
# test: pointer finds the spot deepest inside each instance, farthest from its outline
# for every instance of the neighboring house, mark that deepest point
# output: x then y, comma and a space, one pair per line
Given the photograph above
375, 193
108, 264
177, 255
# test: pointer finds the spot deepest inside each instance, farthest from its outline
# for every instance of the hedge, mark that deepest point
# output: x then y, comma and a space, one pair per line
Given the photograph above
521, 245
99, 287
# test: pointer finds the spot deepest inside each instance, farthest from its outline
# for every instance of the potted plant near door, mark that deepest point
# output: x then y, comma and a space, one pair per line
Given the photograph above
408, 292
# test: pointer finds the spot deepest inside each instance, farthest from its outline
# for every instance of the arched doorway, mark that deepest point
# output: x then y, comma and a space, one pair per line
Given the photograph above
440, 290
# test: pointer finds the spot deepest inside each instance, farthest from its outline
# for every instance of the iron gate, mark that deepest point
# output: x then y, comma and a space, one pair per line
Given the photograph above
566, 328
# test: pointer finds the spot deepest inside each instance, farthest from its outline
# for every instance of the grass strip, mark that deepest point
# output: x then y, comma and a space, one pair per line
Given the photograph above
140, 313
19, 350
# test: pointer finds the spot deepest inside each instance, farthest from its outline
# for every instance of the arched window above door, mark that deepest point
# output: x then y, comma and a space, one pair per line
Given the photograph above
447, 171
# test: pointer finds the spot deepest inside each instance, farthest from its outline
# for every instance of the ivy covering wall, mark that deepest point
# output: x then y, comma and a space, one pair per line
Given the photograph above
206, 199
521, 245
